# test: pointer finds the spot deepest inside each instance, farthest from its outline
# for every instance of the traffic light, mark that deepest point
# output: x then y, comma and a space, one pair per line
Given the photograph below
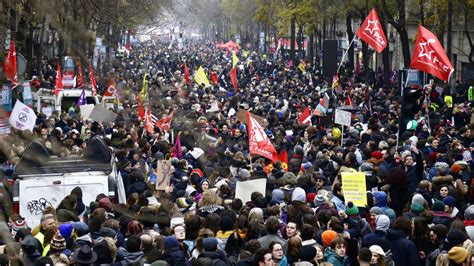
410, 106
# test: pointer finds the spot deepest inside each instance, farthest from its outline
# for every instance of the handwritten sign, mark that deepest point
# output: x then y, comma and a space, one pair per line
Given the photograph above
163, 174
354, 188
343, 118
244, 189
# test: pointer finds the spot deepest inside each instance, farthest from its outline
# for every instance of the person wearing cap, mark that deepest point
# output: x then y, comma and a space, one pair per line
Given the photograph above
211, 251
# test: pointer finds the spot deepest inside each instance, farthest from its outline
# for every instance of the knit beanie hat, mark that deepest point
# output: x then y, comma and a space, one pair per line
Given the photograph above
352, 209
244, 173
376, 210
226, 223
328, 236
209, 243
382, 223
458, 254
65, 230
310, 197
449, 201
17, 225
438, 206
298, 195
171, 242
456, 168
418, 198
319, 200
456, 237
183, 203
278, 195
58, 243
417, 208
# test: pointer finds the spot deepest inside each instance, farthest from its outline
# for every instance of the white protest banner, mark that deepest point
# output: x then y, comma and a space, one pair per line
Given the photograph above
343, 118
196, 152
86, 110
214, 107
22, 117
48, 111
101, 114
163, 174
244, 189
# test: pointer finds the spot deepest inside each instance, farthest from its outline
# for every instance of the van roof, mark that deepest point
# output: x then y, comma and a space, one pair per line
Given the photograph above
63, 165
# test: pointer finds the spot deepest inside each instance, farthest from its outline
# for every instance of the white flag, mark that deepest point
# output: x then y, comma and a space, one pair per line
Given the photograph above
22, 117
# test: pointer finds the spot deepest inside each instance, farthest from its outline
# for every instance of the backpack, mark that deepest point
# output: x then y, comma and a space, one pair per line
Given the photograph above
389, 258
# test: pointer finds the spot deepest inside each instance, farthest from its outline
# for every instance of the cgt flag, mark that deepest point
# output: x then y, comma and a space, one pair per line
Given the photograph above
165, 122
372, 33
59, 81
429, 56
9, 65
305, 117
258, 141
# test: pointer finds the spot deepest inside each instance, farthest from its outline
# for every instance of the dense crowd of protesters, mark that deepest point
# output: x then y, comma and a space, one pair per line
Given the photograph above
419, 192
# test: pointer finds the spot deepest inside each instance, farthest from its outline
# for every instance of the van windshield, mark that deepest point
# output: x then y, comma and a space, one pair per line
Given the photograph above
68, 102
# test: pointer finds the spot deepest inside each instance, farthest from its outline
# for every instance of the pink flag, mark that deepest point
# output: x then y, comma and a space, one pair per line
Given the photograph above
177, 148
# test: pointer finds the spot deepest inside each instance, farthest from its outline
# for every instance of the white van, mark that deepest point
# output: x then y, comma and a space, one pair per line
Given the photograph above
43, 181
45, 101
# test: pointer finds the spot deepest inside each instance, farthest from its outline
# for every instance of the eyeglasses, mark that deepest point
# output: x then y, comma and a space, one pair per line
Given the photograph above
179, 230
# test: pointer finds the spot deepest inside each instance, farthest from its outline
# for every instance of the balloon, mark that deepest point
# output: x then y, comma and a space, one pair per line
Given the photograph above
336, 132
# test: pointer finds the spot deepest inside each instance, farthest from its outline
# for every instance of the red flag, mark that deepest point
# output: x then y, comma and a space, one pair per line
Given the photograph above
186, 74
110, 91
305, 117
80, 79
148, 122
349, 101
258, 141
214, 78
128, 47
141, 110
9, 65
372, 33
429, 56
165, 122
233, 78
93, 82
283, 158
177, 152
59, 81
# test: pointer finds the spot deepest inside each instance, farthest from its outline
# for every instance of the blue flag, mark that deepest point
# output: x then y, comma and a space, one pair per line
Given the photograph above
82, 98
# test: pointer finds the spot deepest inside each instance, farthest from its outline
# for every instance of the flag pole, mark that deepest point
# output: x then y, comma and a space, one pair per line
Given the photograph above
345, 53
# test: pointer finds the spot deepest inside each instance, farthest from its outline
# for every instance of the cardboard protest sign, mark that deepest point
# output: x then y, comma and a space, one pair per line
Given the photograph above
101, 114
242, 117
343, 117
163, 174
354, 188
244, 189
86, 110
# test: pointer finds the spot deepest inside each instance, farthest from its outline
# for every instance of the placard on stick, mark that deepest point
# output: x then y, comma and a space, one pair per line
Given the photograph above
354, 188
244, 189
343, 117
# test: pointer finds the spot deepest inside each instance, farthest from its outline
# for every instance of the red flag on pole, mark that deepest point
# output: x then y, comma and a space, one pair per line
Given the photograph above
233, 78
93, 82
305, 117
59, 81
148, 122
177, 152
258, 141
372, 33
80, 79
186, 74
110, 91
429, 56
9, 65
141, 110
165, 122
348, 100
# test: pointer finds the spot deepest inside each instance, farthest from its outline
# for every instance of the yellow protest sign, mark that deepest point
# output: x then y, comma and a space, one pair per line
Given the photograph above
354, 189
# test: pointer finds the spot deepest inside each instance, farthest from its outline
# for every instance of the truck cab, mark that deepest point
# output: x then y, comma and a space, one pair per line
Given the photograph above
45, 101
42, 180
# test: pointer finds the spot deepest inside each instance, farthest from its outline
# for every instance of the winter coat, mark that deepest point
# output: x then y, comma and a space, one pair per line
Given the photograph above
378, 237
132, 258
442, 218
175, 257
331, 257
404, 251
218, 258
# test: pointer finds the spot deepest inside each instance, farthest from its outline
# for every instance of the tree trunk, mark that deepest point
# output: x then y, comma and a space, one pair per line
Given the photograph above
350, 36
405, 46
365, 48
385, 54
311, 49
292, 38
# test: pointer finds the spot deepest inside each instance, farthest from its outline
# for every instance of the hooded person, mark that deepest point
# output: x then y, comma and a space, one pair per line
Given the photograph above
29, 247
298, 206
80, 206
211, 251
440, 216
132, 254
378, 237
381, 201
172, 254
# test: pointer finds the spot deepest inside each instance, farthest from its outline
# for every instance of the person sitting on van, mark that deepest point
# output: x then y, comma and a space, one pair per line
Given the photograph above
62, 123
46, 233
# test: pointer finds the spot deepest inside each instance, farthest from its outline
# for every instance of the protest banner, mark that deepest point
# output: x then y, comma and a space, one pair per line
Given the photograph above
163, 174
101, 114
86, 110
343, 118
244, 189
354, 188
